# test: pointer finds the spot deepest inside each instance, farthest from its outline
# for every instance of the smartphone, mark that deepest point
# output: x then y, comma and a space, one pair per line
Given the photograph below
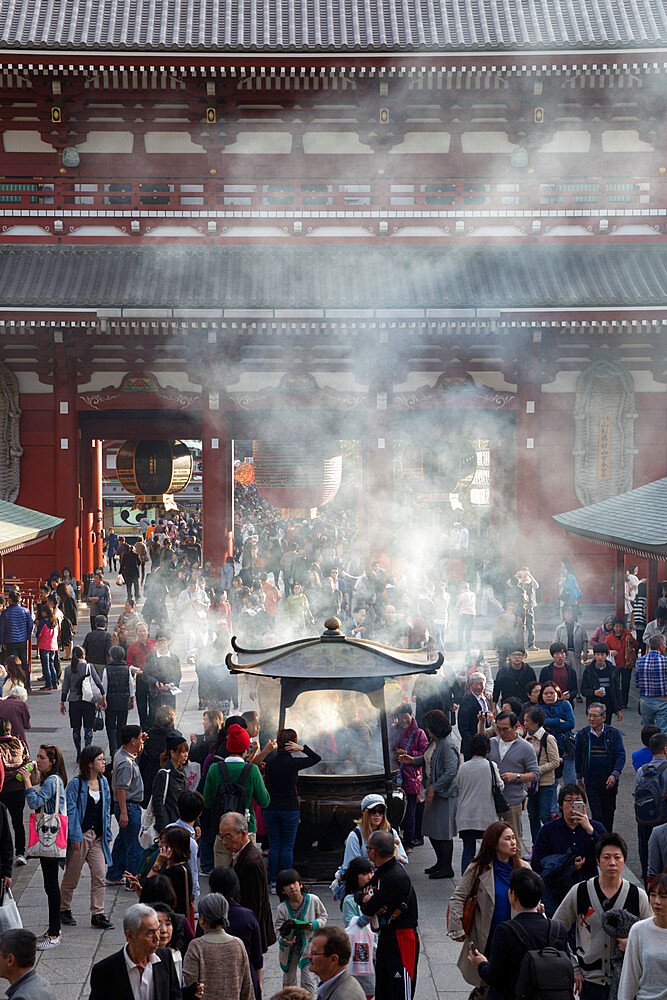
473, 946
578, 807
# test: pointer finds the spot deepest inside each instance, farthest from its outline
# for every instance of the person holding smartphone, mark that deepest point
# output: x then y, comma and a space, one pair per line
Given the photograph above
572, 831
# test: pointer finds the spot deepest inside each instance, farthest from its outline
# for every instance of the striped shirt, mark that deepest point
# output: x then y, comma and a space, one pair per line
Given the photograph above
650, 675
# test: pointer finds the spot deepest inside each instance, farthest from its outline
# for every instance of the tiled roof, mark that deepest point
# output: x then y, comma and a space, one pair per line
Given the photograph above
275, 25
20, 526
212, 277
633, 521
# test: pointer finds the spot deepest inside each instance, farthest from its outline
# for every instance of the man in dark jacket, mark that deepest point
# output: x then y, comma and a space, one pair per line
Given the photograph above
97, 644
16, 626
250, 869
573, 837
527, 931
560, 672
162, 673
118, 685
390, 891
599, 758
511, 680
601, 681
130, 567
98, 598
474, 702
123, 975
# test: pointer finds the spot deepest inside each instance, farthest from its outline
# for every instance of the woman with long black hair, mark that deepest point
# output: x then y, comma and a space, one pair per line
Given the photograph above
81, 712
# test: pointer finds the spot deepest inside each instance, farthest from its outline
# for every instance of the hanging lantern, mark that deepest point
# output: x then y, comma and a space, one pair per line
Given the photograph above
438, 469
154, 470
297, 476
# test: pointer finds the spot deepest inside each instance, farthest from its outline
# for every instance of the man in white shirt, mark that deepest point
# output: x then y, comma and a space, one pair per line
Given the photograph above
141, 970
192, 604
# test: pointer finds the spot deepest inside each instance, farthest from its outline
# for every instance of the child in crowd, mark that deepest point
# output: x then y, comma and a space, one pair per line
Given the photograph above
299, 915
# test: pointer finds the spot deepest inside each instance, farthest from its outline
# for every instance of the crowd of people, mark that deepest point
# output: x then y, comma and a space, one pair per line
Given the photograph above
473, 750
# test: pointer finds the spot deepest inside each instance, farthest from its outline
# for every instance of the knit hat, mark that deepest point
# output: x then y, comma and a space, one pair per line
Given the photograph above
238, 740
174, 740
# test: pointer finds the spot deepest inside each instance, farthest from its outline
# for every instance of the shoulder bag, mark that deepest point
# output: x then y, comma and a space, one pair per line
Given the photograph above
500, 803
147, 832
87, 692
47, 836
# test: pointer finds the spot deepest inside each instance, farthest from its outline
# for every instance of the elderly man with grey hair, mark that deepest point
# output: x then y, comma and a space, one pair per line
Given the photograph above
250, 869
472, 703
599, 758
140, 970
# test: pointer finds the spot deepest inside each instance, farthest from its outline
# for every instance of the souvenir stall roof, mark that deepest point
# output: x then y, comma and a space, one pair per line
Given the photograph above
21, 527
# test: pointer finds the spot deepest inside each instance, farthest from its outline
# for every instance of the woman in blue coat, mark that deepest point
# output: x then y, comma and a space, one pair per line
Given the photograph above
560, 723
89, 836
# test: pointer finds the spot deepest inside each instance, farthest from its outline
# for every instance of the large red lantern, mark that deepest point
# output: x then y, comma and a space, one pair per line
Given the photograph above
297, 476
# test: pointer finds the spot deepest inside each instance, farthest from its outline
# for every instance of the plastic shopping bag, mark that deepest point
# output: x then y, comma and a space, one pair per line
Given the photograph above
361, 944
10, 918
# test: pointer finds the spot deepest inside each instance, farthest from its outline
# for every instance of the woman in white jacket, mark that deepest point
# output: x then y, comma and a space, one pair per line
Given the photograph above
476, 808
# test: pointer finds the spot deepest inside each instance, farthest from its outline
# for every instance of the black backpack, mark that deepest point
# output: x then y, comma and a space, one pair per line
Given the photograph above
650, 799
545, 973
231, 796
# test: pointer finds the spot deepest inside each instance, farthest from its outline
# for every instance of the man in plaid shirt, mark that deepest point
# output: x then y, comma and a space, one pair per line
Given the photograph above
650, 676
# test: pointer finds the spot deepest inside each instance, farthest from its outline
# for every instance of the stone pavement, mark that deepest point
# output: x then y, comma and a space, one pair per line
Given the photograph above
68, 966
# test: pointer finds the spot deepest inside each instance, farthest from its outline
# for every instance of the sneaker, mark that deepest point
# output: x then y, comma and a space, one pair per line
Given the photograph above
45, 943
114, 881
100, 921
67, 918
21, 859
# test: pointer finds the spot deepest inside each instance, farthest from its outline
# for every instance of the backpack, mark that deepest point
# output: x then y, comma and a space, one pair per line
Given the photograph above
231, 796
13, 755
650, 797
545, 973
631, 903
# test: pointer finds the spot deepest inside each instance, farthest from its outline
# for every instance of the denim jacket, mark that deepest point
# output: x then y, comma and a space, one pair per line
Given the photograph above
77, 799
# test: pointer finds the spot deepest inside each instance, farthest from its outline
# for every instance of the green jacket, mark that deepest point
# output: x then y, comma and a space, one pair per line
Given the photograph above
255, 788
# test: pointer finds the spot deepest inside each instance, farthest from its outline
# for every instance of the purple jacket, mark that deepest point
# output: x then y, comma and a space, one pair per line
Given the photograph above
418, 741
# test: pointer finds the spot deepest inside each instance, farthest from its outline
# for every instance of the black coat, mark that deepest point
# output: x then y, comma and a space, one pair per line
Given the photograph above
6, 844
507, 952
149, 759
251, 873
469, 709
109, 979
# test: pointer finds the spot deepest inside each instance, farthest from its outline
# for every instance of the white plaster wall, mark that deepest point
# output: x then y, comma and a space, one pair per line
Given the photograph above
258, 143
624, 141
486, 142
18, 141
334, 142
107, 142
568, 141
29, 382
171, 142
424, 142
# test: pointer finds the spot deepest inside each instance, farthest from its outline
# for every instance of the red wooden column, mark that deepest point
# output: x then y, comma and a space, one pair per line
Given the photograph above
86, 486
377, 480
96, 492
619, 586
65, 500
217, 481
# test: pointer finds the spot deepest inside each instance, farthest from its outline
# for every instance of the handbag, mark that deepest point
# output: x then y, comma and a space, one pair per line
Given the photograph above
98, 721
10, 918
87, 693
500, 803
47, 837
147, 832
469, 907
568, 745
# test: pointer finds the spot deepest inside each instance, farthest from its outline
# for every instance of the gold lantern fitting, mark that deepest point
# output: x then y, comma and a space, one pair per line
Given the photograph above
154, 470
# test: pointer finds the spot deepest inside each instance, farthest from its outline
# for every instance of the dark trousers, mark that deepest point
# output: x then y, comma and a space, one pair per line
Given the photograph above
20, 649
115, 720
393, 981
141, 697
643, 835
592, 991
281, 826
443, 853
81, 713
133, 582
50, 868
15, 801
419, 816
602, 803
469, 839
409, 821
466, 623
539, 809
626, 677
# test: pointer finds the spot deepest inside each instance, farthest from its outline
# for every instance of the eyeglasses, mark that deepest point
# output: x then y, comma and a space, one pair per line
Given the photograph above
378, 811
50, 829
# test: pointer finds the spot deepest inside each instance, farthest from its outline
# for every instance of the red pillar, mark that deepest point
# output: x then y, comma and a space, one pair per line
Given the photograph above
619, 585
651, 589
377, 479
217, 482
86, 483
65, 501
96, 492
529, 393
